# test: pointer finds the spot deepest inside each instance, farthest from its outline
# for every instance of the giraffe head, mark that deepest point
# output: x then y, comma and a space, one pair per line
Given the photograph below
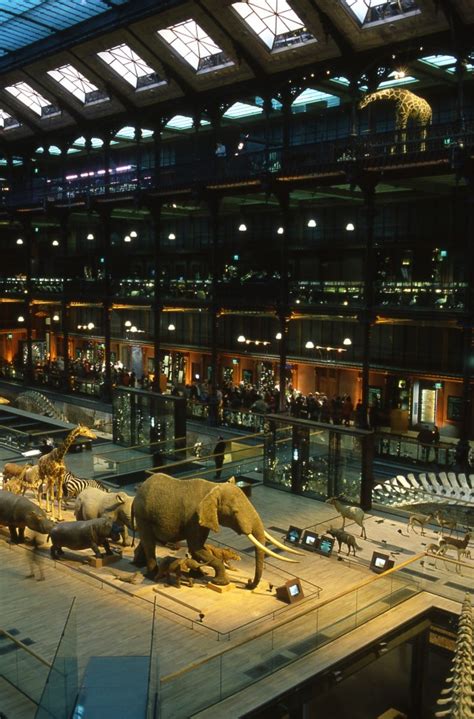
83, 431
366, 100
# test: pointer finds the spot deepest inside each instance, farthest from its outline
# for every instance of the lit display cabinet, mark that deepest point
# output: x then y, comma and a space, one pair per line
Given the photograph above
318, 460
144, 419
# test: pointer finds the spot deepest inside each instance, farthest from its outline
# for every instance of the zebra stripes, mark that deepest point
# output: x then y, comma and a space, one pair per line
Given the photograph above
73, 486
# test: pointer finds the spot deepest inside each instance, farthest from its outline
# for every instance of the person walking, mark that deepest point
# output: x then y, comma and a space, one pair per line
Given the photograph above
219, 452
35, 563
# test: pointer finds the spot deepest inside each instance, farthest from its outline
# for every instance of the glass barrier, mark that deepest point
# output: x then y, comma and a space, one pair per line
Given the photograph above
252, 659
21, 667
60, 692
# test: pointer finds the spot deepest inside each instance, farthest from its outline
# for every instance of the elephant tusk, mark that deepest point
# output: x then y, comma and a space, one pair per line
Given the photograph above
280, 545
265, 549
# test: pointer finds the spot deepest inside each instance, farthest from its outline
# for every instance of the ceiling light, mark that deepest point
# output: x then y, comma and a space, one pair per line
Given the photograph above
90, 326
19, 241
56, 318
278, 336
242, 227
55, 243
21, 318
309, 345
171, 327
350, 227
128, 323
171, 236
280, 231
347, 341
127, 238
133, 234
90, 236
241, 338
133, 328
79, 327
312, 223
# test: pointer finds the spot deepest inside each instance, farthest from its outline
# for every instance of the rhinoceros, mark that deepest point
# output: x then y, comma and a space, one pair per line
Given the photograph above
17, 512
81, 535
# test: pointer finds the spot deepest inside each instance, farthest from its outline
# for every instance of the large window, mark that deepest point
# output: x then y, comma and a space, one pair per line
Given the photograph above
274, 21
130, 66
194, 45
25, 94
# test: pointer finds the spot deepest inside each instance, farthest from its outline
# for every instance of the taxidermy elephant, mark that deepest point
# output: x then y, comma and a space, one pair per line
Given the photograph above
17, 512
169, 510
81, 535
92, 503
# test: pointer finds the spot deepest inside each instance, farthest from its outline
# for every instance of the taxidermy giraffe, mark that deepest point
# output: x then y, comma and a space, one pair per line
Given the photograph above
407, 106
51, 467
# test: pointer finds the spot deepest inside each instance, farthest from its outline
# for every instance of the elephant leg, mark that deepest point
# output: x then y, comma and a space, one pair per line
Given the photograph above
139, 559
147, 540
125, 538
107, 547
202, 555
13, 534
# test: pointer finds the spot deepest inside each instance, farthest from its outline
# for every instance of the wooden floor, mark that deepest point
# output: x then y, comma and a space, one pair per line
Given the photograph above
111, 622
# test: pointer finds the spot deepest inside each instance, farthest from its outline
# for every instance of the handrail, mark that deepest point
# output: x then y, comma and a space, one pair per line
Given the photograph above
204, 457
257, 634
26, 649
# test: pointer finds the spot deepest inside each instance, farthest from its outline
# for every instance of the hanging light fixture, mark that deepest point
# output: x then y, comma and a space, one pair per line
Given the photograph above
133, 234
350, 227
242, 227
312, 223
128, 323
127, 238
21, 318
241, 338
56, 318
171, 327
90, 236
278, 336
309, 345
133, 328
280, 231
90, 326
19, 241
347, 341
55, 243
171, 236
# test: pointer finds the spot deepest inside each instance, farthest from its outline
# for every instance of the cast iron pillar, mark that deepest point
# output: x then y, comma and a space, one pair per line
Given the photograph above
155, 224
214, 204
106, 229
138, 141
27, 232
283, 309
65, 323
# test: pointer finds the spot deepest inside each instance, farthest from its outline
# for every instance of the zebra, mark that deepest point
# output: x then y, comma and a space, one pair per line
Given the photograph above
73, 486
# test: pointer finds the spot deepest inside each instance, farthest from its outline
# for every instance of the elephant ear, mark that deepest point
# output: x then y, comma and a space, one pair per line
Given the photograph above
207, 510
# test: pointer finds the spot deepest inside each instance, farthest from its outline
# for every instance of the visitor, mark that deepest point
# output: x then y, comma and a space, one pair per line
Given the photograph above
219, 452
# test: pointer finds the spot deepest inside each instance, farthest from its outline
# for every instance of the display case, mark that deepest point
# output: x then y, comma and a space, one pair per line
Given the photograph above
147, 419
317, 459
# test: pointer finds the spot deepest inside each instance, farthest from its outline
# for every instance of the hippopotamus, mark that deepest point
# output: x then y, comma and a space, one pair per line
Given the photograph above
81, 535
17, 512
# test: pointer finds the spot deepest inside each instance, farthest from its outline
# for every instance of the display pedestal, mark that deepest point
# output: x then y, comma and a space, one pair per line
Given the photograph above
220, 589
98, 562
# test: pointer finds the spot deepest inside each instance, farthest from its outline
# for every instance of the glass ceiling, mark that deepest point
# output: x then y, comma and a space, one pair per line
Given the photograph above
77, 84
194, 45
130, 66
23, 22
25, 94
367, 11
274, 21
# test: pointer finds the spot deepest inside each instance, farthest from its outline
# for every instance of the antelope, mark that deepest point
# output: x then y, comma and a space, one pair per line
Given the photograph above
443, 521
348, 512
460, 545
421, 519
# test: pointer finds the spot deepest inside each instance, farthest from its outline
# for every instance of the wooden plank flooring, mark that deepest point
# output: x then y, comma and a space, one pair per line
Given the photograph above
112, 623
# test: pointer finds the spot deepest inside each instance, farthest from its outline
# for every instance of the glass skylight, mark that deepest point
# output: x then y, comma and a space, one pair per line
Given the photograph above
182, 122
242, 109
396, 79
439, 60
130, 66
7, 121
77, 84
274, 21
367, 11
128, 133
194, 45
310, 96
25, 94
341, 81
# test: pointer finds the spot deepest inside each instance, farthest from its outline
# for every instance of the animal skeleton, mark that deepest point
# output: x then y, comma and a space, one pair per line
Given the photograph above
457, 698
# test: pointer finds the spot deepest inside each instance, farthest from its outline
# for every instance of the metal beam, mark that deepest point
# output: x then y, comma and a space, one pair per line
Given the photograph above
344, 46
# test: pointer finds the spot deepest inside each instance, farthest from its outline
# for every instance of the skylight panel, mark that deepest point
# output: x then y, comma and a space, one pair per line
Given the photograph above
368, 11
439, 60
130, 66
275, 22
242, 109
396, 79
25, 94
7, 122
182, 122
310, 96
194, 45
77, 84
341, 80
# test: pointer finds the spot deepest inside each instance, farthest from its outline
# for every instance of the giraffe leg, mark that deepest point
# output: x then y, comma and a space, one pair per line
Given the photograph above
60, 495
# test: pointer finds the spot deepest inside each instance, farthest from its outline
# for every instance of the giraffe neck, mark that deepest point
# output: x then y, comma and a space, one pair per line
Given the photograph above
60, 451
